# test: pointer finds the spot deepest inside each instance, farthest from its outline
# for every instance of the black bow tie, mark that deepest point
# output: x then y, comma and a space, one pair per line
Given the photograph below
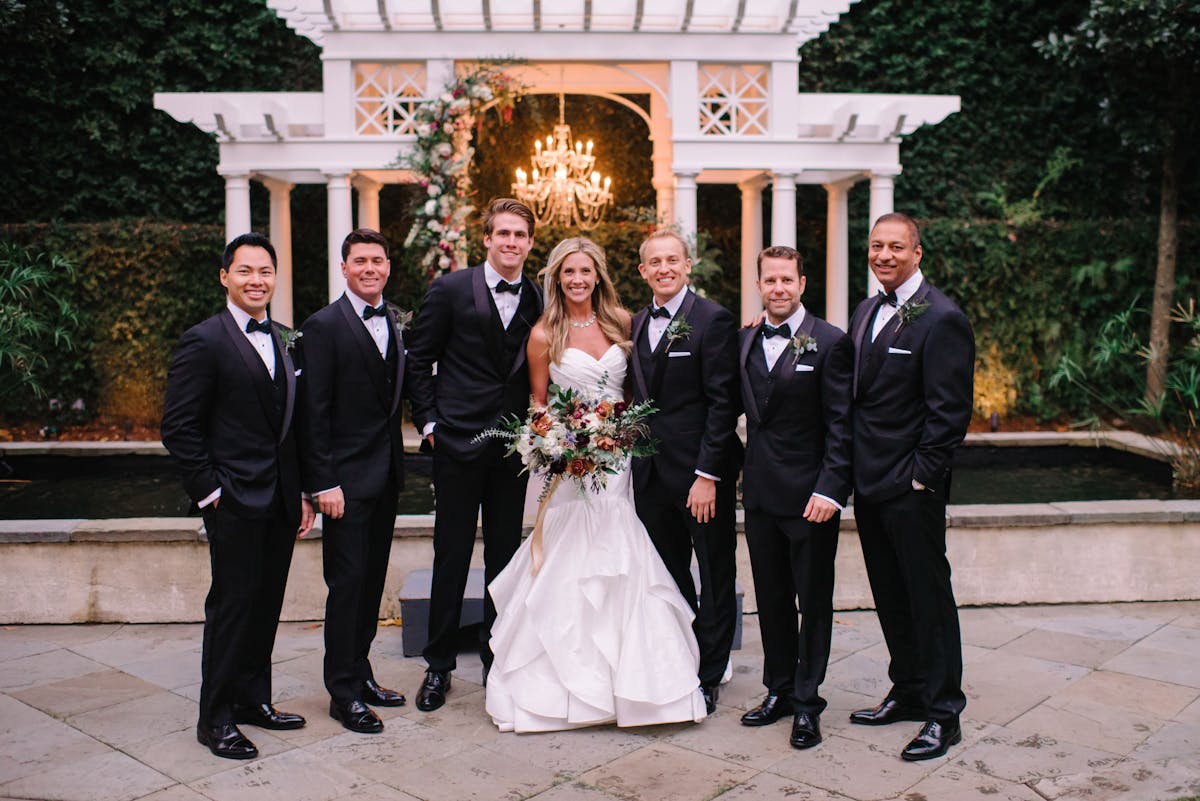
504, 286
253, 325
662, 312
889, 298
769, 331
374, 311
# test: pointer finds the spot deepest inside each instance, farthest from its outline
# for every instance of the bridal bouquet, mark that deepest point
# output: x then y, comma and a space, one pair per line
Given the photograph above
577, 437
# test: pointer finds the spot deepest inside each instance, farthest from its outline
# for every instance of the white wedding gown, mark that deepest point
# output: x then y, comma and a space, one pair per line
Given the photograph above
601, 634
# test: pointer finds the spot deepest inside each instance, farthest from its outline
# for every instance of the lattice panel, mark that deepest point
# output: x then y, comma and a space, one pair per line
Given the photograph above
386, 96
734, 99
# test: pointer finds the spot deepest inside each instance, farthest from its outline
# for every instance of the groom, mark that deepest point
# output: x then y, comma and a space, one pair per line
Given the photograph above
685, 360
473, 326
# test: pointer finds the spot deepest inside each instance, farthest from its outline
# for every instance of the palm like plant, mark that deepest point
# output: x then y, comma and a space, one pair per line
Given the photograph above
35, 315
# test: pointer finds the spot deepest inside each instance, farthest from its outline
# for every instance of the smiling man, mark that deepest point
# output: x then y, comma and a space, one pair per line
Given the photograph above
914, 370
685, 360
353, 457
796, 373
227, 420
473, 325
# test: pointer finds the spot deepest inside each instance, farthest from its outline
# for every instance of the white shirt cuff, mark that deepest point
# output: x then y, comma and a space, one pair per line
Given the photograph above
428, 429
702, 474
831, 500
212, 497
322, 492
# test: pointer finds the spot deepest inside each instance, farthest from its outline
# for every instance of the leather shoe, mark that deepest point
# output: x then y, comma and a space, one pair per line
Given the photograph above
772, 708
890, 711
226, 741
934, 741
356, 716
711, 693
266, 716
806, 730
433, 690
375, 695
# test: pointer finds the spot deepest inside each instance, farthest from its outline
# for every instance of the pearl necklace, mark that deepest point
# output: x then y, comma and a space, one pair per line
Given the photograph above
585, 324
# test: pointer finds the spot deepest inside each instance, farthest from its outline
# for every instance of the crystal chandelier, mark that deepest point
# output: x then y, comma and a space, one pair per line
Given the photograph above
564, 190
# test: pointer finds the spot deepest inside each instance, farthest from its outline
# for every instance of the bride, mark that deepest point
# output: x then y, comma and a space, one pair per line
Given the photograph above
600, 634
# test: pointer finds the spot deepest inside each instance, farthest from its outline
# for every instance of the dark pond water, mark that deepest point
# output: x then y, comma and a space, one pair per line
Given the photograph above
39, 487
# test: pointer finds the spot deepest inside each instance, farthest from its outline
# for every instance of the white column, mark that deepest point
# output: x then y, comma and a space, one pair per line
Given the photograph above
662, 156
368, 202
281, 238
685, 203
783, 210
337, 193
837, 256
883, 187
237, 206
752, 244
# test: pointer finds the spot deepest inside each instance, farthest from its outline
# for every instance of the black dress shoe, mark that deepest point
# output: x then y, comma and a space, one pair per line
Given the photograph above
356, 716
890, 711
266, 716
772, 708
375, 695
934, 741
711, 693
806, 730
433, 690
226, 741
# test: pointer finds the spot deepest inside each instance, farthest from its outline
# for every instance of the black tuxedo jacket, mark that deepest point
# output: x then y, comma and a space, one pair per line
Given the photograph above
350, 410
459, 330
694, 384
224, 423
912, 396
798, 426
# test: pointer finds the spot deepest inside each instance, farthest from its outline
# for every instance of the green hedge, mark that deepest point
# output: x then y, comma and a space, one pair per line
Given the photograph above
1032, 293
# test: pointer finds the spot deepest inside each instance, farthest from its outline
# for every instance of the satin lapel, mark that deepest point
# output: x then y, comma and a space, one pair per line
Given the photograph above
483, 310
398, 338
528, 290
888, 336
862, 340
289, 381
785, 365
748, 400
639, 325
366, 346
665, 344
260, 379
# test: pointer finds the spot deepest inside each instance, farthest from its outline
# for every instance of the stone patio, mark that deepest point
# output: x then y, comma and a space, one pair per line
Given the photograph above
1065, 702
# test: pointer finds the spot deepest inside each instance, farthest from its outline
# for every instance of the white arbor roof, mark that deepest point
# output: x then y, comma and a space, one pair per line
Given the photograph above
803, 19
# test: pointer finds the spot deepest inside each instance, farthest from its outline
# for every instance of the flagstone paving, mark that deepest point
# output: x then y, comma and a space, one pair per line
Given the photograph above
1089, 701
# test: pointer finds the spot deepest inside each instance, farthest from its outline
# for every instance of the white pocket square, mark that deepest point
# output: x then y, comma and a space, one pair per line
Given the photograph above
805, 368
900, 351
677, 353
298, 372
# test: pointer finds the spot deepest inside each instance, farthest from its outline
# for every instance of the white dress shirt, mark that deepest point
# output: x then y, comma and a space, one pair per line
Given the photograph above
377, 326
506, 302
903, 292
655, 326
774, 347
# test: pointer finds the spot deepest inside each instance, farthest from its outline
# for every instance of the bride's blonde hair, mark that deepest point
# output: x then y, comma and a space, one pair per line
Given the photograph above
605, 302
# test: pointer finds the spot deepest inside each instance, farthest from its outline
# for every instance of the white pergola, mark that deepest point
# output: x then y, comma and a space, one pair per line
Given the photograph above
724, 107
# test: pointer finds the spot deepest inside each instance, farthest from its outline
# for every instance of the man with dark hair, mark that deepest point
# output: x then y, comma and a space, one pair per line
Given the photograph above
353, 458
796, 373
227, 420
474, 324
685, 360
915, 362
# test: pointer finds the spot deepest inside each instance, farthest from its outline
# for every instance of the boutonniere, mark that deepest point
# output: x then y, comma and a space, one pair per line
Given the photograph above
803, 343
290, 338
678, 328
403, 318
911, 311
